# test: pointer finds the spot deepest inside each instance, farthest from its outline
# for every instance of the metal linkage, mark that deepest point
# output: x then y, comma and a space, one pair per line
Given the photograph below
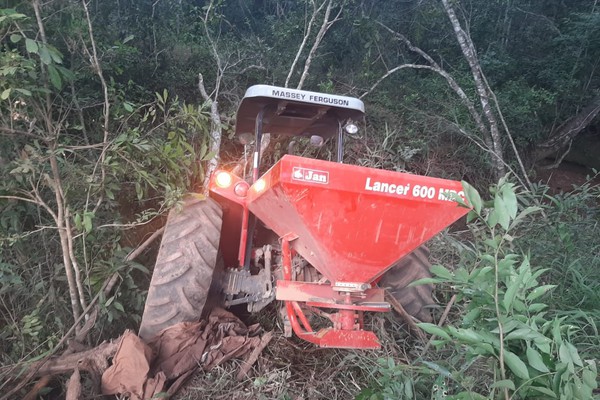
347, 330
241, 287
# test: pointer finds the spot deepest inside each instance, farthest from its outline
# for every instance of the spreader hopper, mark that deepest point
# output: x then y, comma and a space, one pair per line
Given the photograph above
352, 223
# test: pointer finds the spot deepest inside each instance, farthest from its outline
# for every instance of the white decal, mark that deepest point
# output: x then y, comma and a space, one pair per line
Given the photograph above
310, 175
424, 192
449, 194
315, 98
385, 187
419, 191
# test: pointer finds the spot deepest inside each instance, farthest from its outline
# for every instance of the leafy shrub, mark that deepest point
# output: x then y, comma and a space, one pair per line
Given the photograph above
505, 318
508, 339
566, 241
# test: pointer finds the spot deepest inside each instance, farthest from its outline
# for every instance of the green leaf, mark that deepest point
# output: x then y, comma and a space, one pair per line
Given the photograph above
15, 38
471, 216
573, 354
480, 273
203, 150
408, 389
55, 78
55, 54
434, 330
516, 365
483, 349
140, 267
510, 294
67, 74
128, 38
468, 396
535, 360
5, 94
471, 316
524, 334
438, 368
31, 46
536, 307
539, 291
590, 378
506, 383
425, 281
119, 306
523, 214
77, 220
465, 335
544, 390
45, 55
87, 222
10, 12
492, 218
24, 92
543, 344
128, 107
491, 243
501, 211
556, 327
139, 191
510, 200
473, 197
209, 156
441, 271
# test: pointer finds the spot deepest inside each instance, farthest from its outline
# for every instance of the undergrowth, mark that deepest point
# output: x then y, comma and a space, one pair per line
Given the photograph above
523, 324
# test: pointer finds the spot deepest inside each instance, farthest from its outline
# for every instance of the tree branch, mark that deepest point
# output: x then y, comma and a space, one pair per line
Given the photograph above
481, 127
324, 28
470, 54
16, 132
215, 131
106, 105
391, 71
565, 133
315, 12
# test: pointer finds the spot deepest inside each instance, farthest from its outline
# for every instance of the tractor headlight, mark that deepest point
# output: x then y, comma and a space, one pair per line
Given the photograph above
316, 141
351, 128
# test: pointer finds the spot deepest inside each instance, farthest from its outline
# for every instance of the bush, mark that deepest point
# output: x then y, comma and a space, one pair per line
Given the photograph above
507, 341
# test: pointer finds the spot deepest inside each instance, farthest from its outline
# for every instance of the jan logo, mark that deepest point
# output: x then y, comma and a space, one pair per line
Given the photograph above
310, 175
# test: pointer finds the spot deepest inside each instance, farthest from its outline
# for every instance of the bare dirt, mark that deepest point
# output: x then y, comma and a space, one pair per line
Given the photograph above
566, 176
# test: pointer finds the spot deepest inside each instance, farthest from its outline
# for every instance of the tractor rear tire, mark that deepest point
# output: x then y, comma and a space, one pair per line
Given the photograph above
184, 266
414, 299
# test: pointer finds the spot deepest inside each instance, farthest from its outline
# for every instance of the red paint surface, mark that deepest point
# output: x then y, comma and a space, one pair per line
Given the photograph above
346, 229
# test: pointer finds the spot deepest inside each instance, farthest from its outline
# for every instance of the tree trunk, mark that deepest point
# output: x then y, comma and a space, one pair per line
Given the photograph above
561, 137
468, 50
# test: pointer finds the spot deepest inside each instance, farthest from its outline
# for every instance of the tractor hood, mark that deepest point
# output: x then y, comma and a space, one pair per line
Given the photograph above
352, 223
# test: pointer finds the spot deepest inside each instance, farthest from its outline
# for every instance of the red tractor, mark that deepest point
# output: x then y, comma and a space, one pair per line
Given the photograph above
323, 237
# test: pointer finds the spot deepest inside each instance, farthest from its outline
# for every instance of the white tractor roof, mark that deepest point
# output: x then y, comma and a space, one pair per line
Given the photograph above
296, 112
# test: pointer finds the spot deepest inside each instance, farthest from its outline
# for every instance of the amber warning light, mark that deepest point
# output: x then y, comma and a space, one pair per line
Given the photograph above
223, 179
259, 185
